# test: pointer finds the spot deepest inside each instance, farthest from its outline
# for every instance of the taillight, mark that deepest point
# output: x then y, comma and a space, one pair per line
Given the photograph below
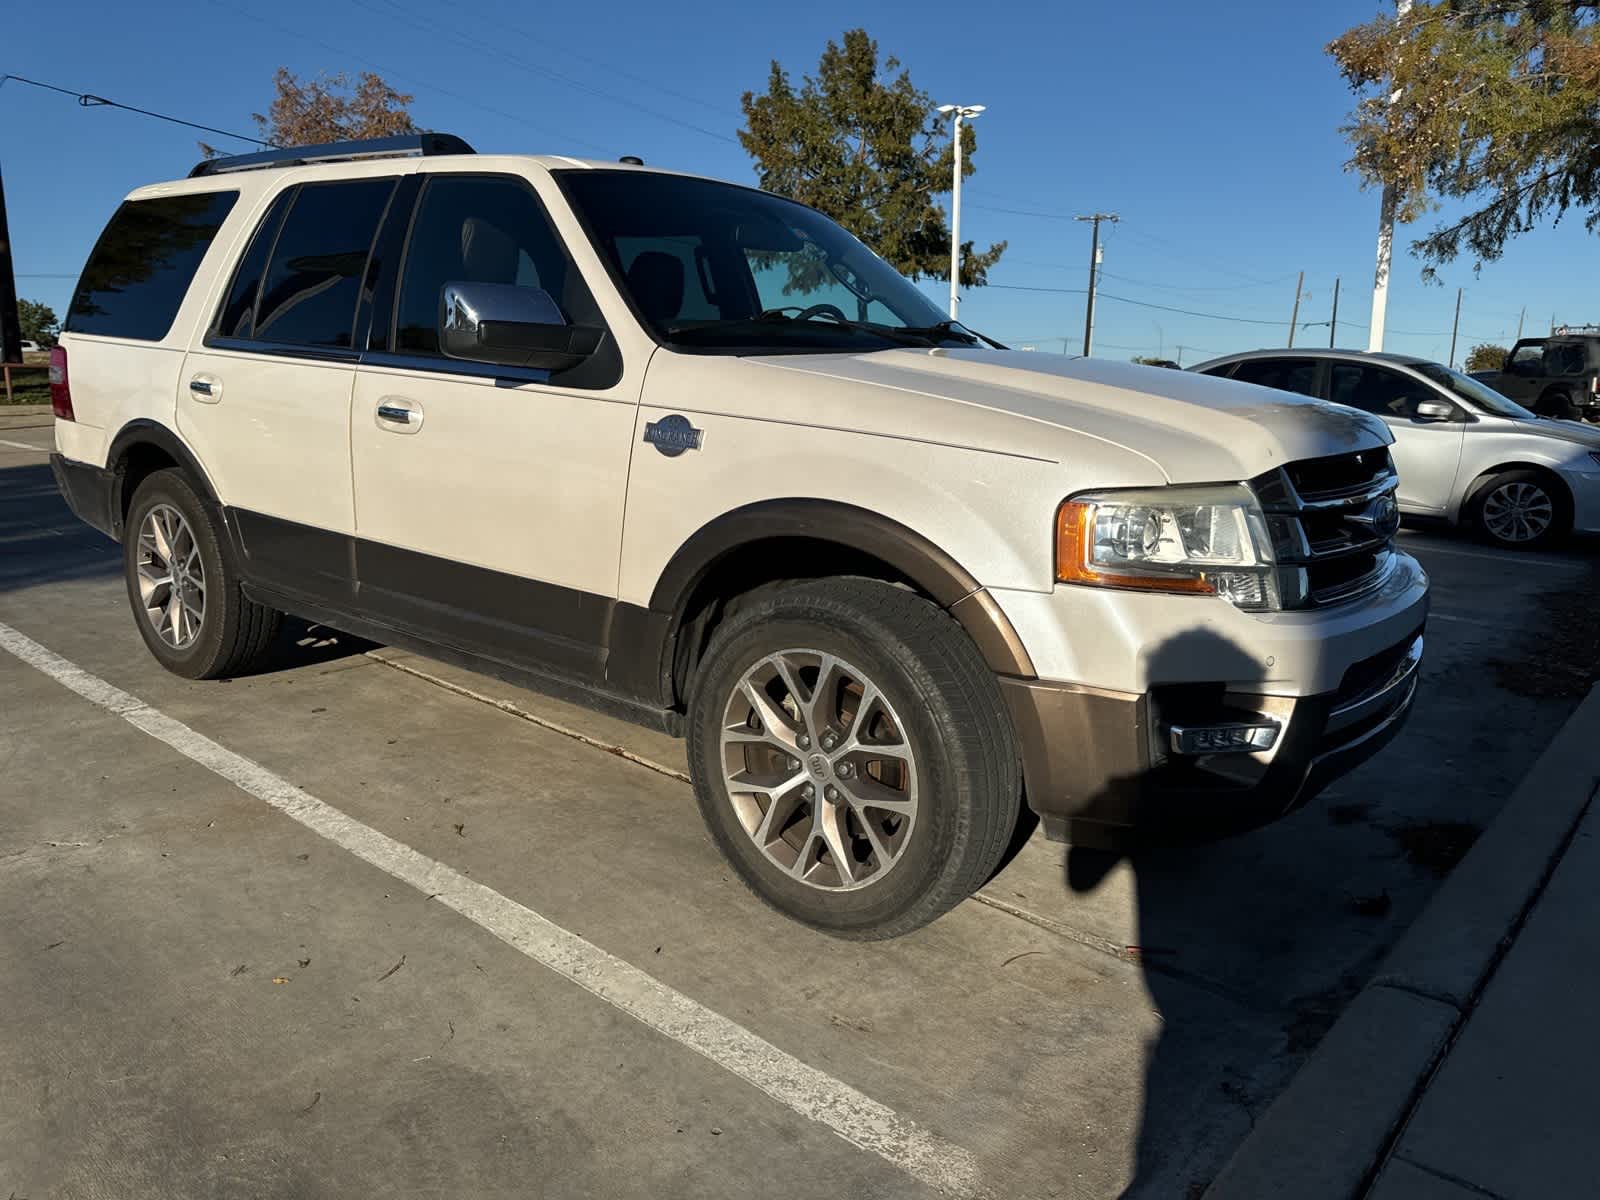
60, 390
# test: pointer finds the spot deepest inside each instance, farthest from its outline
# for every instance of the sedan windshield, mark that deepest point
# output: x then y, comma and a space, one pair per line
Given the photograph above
714, 267
1477, 395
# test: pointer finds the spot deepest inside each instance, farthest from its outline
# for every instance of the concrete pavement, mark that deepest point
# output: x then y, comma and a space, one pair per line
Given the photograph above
1468, 1066
1084, 1025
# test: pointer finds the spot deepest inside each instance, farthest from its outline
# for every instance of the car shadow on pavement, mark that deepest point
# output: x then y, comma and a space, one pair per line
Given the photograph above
40, 540
1191, 899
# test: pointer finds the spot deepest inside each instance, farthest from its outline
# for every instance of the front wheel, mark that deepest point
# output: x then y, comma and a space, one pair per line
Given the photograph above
1519, 510
184, 588
852, 757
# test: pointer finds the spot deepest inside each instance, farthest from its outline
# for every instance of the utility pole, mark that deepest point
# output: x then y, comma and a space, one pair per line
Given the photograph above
10, 323
1333, 321
1454, 326
968, 111
1390, 201
1094, 276
1294, 317
1520, 317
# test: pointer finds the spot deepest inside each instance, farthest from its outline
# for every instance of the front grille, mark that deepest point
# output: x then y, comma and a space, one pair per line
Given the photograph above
1331, 522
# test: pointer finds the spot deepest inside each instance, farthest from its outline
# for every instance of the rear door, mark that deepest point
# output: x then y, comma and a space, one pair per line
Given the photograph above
1427, 454
1303, 376
488, 500
265, 399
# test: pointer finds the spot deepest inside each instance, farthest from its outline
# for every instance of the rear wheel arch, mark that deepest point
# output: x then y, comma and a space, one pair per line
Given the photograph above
140, 449
749, 549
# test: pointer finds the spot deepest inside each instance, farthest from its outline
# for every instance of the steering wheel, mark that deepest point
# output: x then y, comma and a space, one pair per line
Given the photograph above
822, 310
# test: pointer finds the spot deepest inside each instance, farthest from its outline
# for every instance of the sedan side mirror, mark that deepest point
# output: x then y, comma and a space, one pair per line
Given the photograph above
1435, 410
511, 326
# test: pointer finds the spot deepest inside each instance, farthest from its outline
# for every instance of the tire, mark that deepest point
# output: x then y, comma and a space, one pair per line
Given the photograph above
1556, 403
220, 631
1519, 510
936, 742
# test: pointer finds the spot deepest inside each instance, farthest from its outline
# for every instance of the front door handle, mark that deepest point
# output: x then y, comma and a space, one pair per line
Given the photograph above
396, 414
205, 388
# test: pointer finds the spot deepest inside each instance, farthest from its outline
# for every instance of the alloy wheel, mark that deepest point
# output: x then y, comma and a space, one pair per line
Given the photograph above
819, 769
1518, 512
172, 578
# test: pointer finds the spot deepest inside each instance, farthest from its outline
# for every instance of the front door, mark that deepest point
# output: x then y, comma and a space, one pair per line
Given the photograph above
488, 500
1427, 454
1523, 377
265, 398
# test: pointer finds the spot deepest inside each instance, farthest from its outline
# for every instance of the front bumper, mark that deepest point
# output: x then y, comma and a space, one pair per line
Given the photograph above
1099, 765
1584, 486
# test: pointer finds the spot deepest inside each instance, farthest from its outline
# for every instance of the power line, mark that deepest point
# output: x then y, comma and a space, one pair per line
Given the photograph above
544, 42
90, 100
432, 27
411, 80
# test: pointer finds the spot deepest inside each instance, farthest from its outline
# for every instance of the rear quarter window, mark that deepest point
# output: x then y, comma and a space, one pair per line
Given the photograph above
142, 266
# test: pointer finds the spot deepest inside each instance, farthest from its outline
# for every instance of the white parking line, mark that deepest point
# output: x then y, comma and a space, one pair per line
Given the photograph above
1507, 559
24, 446
855, 1117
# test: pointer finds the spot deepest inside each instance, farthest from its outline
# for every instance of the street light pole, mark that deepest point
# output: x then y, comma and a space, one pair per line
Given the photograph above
969, 111
1387, 206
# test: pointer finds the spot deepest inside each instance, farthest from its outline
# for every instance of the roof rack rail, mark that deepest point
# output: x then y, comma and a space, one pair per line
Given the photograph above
405, 146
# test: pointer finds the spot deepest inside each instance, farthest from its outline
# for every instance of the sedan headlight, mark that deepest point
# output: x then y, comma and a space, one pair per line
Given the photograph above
1204, 540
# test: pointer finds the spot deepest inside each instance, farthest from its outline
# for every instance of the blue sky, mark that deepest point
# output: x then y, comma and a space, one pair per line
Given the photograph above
1212, 131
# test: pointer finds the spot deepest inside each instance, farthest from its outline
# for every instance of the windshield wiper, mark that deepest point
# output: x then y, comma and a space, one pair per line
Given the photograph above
953, 329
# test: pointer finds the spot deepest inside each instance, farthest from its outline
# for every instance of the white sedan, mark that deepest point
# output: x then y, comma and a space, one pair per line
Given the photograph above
1464, 453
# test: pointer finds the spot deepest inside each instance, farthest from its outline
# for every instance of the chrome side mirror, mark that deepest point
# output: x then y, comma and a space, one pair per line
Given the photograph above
510, 326
1435, 410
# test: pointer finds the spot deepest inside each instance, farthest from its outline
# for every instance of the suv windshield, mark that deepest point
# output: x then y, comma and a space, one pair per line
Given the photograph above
715, 267
1477, 395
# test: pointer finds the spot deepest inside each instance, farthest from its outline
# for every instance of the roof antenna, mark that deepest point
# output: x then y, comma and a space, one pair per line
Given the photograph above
632, 158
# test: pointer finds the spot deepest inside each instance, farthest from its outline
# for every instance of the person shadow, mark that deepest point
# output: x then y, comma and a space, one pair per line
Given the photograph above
1217, 964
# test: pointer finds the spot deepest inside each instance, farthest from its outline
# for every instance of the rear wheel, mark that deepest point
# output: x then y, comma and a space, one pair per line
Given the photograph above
1520, 509
852, 757
184, 588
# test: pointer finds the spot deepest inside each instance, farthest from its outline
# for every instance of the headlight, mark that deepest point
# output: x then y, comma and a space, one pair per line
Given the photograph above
1205, 540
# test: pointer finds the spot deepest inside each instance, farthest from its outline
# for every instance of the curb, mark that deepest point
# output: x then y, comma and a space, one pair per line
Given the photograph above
1327, 1134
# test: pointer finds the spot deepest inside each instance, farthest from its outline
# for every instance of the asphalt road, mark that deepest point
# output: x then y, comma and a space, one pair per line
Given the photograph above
368, 925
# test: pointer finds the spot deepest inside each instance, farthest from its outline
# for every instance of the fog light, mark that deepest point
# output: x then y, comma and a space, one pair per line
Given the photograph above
1223, 739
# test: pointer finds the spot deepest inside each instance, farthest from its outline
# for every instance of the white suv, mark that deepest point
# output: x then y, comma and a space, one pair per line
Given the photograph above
693, 453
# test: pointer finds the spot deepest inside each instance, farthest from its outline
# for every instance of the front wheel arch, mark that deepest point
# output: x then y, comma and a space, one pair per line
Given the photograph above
1557, 488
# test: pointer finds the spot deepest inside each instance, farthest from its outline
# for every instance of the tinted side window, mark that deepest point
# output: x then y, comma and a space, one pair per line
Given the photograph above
481, 229
143, 264
1563, 358
1528, 354
238, 315
1285, 374
1376, 390
314, 280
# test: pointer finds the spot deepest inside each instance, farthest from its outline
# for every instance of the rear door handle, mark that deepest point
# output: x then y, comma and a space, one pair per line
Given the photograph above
396, 414
205, 388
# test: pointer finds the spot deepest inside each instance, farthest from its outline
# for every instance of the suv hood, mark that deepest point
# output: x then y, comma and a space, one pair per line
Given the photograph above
1195, 428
